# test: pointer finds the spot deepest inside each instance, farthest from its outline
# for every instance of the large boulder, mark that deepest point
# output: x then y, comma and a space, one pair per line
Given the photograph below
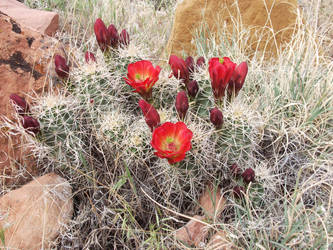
270, 23
25, 59
33, 215
45, 22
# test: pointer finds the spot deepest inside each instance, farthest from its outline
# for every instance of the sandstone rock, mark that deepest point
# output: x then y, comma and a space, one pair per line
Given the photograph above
193, 233
273, 20
25, 58
212, 202
34, 214
45, 22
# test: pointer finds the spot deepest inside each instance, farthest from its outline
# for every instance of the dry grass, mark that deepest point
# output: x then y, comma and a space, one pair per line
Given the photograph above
125, 197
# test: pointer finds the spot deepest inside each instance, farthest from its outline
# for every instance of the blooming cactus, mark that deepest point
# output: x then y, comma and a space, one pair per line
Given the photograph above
237, 79
172, 141
151, 116
102, 35
61, 67
142, 76
22, 106
220, 71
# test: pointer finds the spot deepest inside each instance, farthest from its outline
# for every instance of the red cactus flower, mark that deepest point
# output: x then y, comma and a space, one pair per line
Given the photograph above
248, 175
216, 117
189, 61
237, 79
235, 170
179, 68
61, 67
220, 71
30, 124
201, 62
192, 88
181, 104
152, 117
124, 38
142, 76
239, 192
172, 141
90, 57
21, 105
102, 35
114, 36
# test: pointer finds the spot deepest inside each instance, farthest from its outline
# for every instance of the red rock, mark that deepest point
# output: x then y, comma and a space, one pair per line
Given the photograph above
45, 22
25, 57
33, 215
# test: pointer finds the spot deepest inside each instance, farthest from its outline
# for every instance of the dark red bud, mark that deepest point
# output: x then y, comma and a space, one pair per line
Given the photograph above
179, 68
102, 35
189, 61
239, 192
22, 106
124, 38
192, 88
182, 104
30, 124
201, 62
216, 117
248, 175
114, 36
152, 117
61, 67
90, 57
235, 170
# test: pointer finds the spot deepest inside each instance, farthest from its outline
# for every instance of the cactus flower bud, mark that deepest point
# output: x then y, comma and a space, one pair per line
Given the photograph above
190, 64
124, 38
238, 78
192, 88
182, 104
61, 67
30, 124
21, 105
235, 170
90, 57
102, 35
216, 117
201, 62
179, 68
238, 192
152, 117
114, 36
248, 175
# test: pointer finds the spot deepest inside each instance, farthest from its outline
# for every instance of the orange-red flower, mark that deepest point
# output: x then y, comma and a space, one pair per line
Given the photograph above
172, 141
142, 76
220, 71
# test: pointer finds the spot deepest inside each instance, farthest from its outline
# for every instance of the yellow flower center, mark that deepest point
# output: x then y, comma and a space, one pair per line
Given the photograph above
221, 60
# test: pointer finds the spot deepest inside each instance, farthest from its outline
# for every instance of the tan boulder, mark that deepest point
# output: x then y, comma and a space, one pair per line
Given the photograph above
45, 22
25, 60
271, 23
33, 215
